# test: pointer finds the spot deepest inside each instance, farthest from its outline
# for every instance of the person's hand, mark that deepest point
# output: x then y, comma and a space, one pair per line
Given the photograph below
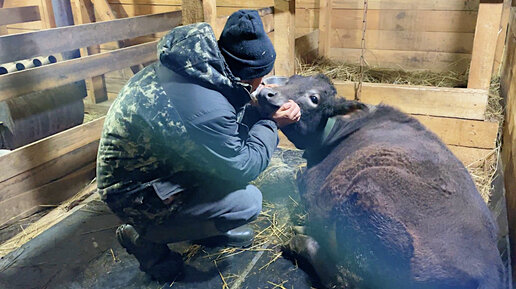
288, 113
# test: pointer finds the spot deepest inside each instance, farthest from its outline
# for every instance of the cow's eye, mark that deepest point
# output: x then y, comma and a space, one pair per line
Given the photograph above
314, 98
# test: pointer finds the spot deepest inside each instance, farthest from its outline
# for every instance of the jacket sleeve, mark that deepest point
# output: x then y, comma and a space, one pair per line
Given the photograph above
235, 154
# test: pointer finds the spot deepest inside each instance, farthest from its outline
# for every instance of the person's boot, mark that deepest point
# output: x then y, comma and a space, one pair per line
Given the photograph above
242, 236
157, 260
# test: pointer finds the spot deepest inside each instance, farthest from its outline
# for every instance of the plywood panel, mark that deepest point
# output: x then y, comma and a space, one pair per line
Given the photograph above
406, 20
407, 60
404, 40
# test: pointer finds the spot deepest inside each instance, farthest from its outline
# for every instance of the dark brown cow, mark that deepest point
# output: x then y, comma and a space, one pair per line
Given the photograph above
389, 206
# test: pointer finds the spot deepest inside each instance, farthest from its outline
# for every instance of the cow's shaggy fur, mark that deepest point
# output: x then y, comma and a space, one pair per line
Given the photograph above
388, 203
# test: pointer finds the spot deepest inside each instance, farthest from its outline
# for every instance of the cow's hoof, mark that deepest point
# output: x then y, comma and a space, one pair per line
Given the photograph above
302, 246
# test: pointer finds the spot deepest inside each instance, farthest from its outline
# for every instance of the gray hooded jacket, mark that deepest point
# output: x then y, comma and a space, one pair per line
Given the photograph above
178, 117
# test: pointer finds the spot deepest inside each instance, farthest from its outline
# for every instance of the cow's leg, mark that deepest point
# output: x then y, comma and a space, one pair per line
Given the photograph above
309, 250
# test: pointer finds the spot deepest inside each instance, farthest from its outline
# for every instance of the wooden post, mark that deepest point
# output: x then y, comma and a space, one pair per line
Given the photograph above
210, 11
284, 37
484, 45
105, 14
3, 29
325, 7
193, 10
500, 45
47, 14
97, 85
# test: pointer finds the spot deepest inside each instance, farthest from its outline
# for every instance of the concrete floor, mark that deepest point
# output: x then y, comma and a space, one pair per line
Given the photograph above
82, 252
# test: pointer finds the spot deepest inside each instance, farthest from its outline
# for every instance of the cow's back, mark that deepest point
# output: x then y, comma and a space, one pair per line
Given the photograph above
406, 206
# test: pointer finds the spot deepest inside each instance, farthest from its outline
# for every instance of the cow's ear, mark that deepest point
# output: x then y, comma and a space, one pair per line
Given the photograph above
343, 106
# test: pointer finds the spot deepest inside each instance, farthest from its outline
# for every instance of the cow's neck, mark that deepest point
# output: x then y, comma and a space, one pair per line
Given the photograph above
337, 128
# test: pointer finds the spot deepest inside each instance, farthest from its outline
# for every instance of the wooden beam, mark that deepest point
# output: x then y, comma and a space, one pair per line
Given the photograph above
285, 37
462, 132
307, 46
21, 46
484, 45
19, 15
266, 13
509, 131
37, 153
49, 171
406, 60
438, 5
106, 14
452, 42
424, 100
325, 7
97, 84
193, 11
406, 20
49, 76
51, 194
47, 14
470, 157
209, 8
500, 44
3, 29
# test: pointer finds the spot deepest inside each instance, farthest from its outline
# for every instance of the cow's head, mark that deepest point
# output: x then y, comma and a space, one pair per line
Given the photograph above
316, 96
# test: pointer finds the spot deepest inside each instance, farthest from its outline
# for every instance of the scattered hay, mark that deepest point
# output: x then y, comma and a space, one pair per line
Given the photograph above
483, 172
495, 109
53, 217
351, 72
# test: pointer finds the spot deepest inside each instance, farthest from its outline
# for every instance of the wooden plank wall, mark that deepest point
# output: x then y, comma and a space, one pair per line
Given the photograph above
129, 8
407, 34
508, 83
29, 26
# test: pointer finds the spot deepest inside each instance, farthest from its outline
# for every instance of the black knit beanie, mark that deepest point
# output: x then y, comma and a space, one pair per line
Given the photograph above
246, 47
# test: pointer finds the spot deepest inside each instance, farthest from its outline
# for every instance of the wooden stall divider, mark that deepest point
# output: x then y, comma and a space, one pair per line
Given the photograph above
484, 45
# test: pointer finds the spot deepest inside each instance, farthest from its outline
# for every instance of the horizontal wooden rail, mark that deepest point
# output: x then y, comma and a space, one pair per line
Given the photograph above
47, 149
26, 45
460, 5
49, 76
19, 15
51, 194
424, 100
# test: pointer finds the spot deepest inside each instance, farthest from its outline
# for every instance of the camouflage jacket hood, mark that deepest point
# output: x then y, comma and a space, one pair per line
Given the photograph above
192, 52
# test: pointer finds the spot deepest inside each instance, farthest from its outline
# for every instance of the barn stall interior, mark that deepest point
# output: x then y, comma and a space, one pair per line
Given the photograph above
448, 63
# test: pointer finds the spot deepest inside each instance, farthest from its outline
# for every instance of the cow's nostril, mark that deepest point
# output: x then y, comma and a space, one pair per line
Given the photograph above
271, 94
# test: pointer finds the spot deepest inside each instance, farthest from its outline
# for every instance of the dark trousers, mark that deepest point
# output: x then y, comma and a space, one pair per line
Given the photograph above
197, 214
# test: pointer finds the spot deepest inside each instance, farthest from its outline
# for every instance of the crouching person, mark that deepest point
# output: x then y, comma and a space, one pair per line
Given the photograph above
175, 156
